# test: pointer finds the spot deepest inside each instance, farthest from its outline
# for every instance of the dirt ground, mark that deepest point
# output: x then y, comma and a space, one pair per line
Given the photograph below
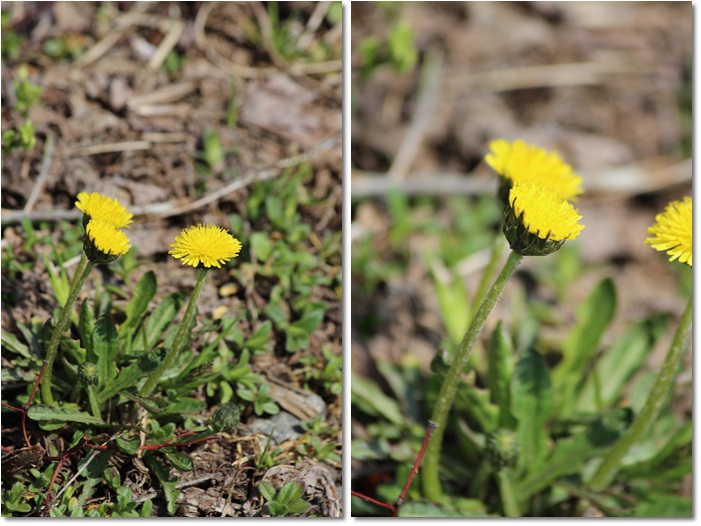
607, 84
129, 124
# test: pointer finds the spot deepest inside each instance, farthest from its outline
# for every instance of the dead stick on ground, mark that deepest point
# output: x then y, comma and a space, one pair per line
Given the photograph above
83, 467
430, 82
214, 56
254, 176
169, 42
43, 172
312, 25
121, 26
542, 76
180, 485
160, 210
97, 149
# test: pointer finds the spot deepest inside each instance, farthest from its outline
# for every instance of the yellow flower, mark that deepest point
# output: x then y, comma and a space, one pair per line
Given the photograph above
672, 231
104, 242
517, 161
538, 220
208, 245
103, 208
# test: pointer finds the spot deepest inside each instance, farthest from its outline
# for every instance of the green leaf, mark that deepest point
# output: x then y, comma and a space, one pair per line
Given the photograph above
366, 393
664, 505
14, 499
274, 210
508, 497
290, 491
146, 509
261, 338
665, 455
129, 376
112, 477
127, 445
144, 291
179, 460
277, 509
453, 304
153, 328
499, 373
298, 507
59, 282
267, 490
11, 343
459, 508
308, 324
105, 349
185, 405
582, 344
402, 48
124, 500
168, 484
71, 348
472, 401
86, 326
570, 453
531, 405
43, 412
618, 364
261, 246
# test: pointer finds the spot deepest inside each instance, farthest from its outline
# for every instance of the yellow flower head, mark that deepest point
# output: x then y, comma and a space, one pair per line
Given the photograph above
539, 220
104, 242
517, 161
207, 245
103, 208
672, 231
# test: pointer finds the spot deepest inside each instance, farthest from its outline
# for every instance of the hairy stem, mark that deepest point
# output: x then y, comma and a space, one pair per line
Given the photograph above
446, 397
179, 340
651, 410
65, 316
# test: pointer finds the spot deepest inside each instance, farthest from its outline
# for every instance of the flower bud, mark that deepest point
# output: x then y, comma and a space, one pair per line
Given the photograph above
502, 449
226, 418
87, 373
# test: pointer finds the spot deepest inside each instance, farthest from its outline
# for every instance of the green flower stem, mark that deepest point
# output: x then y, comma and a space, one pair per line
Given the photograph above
79, 269
179, 340
479, 479
46, 396
446, 397
94, 404
508, 498
650, 411
489, 269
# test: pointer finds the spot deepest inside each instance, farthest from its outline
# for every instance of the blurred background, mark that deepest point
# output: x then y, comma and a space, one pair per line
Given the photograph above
606, 84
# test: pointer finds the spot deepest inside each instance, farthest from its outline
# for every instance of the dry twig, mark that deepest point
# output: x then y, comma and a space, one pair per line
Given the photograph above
43, 172
430, 80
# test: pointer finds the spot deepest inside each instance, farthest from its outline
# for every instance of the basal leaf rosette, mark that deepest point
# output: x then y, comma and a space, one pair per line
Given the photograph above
103, 208
103, 242
672, 231
519, 161
537, 220
205, 246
